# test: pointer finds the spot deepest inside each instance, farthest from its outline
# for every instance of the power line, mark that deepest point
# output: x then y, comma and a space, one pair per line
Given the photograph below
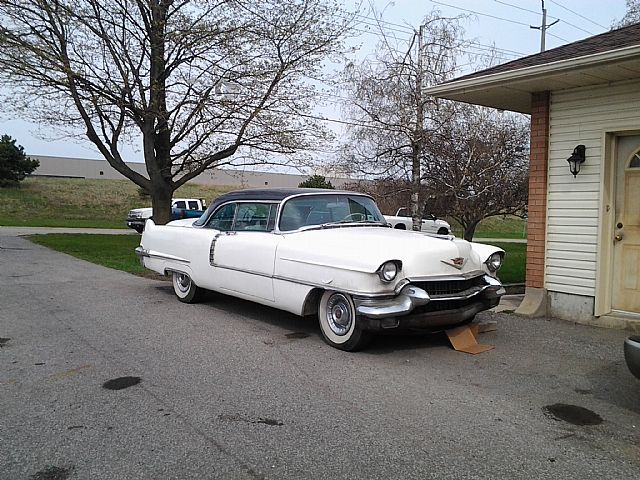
579, 15
550, 17
480, 13
474, 44
558, 37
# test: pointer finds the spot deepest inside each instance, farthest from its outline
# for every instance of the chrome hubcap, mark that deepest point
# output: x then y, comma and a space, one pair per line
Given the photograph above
339, 315
183, 282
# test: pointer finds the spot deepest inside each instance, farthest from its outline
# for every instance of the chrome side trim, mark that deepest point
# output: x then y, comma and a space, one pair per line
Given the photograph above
321, 264
212, 249
142, 252
323, 286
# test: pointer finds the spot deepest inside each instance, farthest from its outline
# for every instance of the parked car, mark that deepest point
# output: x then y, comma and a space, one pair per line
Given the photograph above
632, 354
327, 253
402, 221
180, 208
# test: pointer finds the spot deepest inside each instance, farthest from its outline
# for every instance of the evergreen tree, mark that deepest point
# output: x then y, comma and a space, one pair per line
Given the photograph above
14, 164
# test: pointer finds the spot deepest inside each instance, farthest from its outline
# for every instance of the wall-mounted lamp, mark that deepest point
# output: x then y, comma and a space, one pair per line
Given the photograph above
576, 159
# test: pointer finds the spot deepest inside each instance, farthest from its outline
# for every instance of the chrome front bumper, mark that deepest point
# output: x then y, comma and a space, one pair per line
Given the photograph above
404, 308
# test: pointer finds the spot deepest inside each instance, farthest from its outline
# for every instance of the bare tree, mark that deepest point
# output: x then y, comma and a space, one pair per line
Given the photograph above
477, 166
199, 83
393, 115
457, 160
631, 16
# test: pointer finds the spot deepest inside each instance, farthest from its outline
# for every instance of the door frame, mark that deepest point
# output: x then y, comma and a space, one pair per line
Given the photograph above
606, 219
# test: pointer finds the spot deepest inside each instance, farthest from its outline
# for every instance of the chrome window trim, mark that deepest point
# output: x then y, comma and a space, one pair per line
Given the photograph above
222, 205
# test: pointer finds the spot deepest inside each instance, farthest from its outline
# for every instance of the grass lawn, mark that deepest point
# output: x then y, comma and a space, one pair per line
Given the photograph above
113, 251
513, 270
117, 251
506, 226
70, 202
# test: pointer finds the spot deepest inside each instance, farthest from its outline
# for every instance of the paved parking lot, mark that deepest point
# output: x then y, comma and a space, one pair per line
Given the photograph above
228, 389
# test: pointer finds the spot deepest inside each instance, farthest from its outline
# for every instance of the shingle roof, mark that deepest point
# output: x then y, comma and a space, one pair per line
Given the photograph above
612, 40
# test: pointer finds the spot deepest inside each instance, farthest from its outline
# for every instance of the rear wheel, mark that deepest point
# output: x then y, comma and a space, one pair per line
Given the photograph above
339, 323
185, 289
400, 226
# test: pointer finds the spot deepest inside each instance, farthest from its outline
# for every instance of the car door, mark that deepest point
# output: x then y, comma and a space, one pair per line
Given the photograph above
242, 255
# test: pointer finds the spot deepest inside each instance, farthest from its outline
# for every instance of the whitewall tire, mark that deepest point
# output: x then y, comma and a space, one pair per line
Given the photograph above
185, 289
339, 323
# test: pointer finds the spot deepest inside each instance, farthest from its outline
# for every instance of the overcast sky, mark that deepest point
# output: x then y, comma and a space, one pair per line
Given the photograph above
505, 24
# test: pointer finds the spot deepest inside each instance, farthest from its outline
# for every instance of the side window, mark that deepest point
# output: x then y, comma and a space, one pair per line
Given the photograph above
180, 204
193, 205
223, 218
253, 217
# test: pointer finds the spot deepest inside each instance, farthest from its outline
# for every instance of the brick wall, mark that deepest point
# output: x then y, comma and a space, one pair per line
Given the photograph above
538, 164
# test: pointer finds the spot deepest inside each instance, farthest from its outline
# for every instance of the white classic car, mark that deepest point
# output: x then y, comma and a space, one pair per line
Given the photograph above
402, 221
329, 253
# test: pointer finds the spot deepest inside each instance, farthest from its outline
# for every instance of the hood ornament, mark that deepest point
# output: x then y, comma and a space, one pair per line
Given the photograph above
457, 262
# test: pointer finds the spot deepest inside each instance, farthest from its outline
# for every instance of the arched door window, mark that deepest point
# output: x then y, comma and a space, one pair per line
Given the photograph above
635, 160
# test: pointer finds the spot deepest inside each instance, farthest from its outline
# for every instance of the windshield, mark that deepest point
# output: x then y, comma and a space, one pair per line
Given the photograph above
309, 210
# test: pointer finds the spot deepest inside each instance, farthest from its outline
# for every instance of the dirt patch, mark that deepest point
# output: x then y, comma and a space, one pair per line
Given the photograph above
52, 472
3, 341
572, 414
239, 418
121, 383
296, 335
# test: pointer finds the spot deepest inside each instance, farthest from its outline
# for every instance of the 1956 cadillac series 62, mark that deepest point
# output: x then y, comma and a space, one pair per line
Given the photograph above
329, 253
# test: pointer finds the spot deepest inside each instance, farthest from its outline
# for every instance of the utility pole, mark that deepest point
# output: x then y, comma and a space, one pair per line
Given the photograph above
418, 138
544, 27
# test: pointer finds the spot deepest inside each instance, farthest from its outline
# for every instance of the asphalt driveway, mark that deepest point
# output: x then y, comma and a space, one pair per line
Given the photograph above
228, 389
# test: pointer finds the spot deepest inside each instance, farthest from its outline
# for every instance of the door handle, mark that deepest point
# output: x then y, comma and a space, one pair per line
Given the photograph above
618, 237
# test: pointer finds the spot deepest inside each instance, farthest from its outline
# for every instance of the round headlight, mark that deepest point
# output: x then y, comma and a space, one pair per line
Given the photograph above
494, 262
388, 271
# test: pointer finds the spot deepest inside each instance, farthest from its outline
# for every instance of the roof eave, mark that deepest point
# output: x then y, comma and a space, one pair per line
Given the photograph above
463, 90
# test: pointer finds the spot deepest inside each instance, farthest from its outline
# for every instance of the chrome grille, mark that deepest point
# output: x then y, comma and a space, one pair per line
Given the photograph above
450, 287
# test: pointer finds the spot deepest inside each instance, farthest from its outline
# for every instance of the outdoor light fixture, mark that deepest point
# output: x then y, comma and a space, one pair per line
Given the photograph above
576, 159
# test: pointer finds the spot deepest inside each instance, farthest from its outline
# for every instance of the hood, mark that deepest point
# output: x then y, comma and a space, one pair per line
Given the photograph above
365, 249
141, 210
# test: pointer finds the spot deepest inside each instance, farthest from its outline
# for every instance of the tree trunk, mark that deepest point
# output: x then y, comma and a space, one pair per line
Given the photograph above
470, 230
161, 194
416, 214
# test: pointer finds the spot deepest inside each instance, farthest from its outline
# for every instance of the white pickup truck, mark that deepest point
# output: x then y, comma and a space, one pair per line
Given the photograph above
180, 208
403, 221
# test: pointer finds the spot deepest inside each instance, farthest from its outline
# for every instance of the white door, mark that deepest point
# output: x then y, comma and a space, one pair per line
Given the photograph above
243, 256
626, 250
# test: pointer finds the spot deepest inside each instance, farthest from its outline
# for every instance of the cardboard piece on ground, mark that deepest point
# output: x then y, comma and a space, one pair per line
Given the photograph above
463, 340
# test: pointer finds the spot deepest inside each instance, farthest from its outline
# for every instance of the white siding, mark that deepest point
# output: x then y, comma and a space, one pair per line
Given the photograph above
581, 116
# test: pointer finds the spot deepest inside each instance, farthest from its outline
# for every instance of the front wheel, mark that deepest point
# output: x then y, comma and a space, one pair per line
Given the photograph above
185, 289
339, 323
443, 231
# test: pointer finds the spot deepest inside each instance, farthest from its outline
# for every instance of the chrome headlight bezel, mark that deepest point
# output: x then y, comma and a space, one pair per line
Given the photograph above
495, 261
389, 270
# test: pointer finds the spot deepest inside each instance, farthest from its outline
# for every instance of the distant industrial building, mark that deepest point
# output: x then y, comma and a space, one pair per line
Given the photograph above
64, 167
